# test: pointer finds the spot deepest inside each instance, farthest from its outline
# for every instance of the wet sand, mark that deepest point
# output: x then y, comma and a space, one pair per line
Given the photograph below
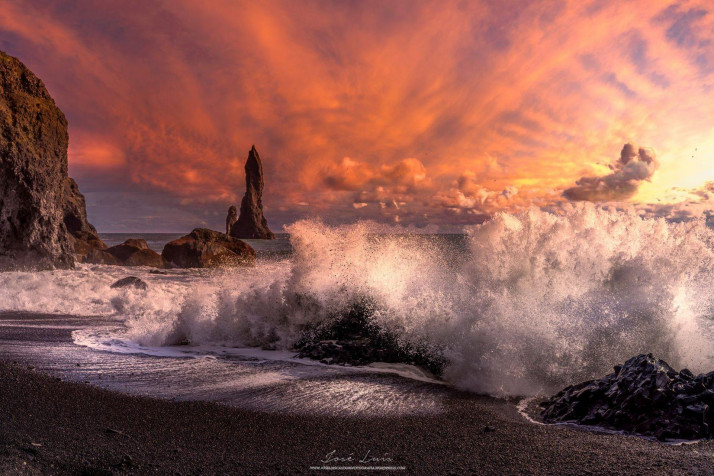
51, 426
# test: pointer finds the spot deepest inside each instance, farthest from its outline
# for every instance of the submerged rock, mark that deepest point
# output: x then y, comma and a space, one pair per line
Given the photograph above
644, 395
135, 252
130, 281
251, 222
204, 248
33, 172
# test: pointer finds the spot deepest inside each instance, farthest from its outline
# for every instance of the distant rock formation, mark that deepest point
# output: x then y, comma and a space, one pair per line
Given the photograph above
83, 235
251, 222
135, 252
33, 172
231, 218
204, 248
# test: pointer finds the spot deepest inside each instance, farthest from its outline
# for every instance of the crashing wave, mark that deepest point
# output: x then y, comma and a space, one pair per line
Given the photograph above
524, 303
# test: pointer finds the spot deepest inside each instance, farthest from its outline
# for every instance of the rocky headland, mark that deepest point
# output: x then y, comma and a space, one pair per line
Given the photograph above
43, 215
33, 173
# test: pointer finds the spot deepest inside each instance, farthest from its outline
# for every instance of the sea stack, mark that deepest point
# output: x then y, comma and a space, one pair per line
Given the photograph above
251, 222
33, 173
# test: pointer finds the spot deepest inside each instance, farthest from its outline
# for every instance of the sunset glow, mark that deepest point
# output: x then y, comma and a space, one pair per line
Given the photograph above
411, 113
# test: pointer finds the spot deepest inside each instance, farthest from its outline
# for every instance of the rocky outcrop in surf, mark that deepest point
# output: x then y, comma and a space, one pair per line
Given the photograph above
644, 395
353, 338
204, 248
251, 223
135, 252
33, 172
130, 282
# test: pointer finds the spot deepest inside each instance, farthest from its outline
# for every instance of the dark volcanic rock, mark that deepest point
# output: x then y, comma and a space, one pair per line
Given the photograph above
97, 256
75, 210
135, 252
33, 171
231, 218
130, 281
352, 338
251, 222
645, 396
83, 235
204, 248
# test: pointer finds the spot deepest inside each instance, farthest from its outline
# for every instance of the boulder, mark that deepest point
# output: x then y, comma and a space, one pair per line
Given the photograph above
135, 252
33, 173
645, 396
204, 248
130, 281
251, 223
97, 256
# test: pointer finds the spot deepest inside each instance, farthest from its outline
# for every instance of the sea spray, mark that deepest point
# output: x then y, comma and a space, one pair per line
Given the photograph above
562, 297
536, 300
524, 303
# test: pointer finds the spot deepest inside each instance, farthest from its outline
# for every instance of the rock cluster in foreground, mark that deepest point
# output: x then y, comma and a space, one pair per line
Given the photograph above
645, 396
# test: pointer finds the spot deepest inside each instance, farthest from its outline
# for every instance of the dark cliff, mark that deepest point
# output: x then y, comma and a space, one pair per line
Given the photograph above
33, 172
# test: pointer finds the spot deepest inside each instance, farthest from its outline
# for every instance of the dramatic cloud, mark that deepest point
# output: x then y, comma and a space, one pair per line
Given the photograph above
633, 167
404, 175
414, 112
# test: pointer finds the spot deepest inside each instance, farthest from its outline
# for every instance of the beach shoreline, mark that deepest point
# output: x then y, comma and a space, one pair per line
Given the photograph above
49, 426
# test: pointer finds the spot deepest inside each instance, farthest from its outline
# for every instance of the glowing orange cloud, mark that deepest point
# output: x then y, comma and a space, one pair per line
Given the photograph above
417, 112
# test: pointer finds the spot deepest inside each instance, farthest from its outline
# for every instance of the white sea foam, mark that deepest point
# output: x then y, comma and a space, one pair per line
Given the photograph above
527, 303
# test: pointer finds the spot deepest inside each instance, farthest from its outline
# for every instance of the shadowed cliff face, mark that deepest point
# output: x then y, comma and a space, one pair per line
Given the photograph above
83, 235
33, 171
251, 222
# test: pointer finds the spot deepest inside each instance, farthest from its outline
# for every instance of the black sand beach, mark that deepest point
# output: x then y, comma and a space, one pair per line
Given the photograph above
48, 426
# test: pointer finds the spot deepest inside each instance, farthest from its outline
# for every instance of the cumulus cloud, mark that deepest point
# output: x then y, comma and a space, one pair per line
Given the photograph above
349, 174
632, 168
469, 195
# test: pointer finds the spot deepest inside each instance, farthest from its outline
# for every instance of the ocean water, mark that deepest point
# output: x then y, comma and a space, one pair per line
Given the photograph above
280, 246
522, 305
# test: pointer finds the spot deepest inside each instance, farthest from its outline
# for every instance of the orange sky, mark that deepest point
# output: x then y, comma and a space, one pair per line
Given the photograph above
403, 112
